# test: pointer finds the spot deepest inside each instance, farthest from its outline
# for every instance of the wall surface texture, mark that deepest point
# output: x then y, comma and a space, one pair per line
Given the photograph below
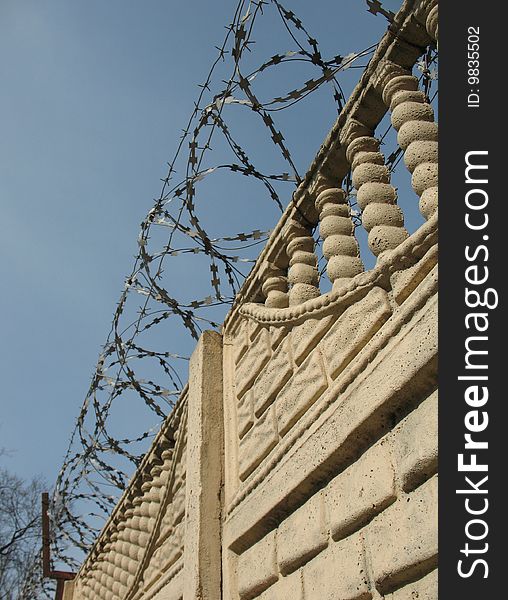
300, 462
331, 447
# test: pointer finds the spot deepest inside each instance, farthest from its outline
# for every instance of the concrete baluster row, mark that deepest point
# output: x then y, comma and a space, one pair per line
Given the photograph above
117, 564
412, 117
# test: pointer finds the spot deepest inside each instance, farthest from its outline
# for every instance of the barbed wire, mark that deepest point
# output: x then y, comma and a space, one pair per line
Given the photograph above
131, 371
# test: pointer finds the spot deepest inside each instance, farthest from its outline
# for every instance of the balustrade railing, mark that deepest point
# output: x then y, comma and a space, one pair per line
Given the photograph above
286, 273
121, 563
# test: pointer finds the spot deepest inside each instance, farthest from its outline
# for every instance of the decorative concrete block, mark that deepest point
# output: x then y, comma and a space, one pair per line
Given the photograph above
302, 535
277, 334
272, 378
423, 589
173, 590
414, 443
405, 282
338, 572
254, 330
300, 392
354, 329
245, 414
402, 540
257, 443
240, 342
257, 567
306, 336
173, 545
360, 492
255, 358
286, 588
400, 373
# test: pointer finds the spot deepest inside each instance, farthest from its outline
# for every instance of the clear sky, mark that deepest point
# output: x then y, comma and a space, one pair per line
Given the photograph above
94, 96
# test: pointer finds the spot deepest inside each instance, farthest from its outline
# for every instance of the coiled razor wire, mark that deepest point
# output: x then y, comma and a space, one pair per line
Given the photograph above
99, 461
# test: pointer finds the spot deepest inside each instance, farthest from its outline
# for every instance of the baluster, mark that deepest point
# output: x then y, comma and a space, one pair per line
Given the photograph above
377, 198
275, 288
303, 274
427, 15
413, 119
432, 23
340, 247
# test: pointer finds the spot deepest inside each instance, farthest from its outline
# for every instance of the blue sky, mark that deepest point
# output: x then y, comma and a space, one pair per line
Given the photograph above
95, 94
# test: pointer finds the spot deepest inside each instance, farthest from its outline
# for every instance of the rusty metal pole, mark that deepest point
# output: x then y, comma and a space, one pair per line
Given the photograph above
60, 576
46, 566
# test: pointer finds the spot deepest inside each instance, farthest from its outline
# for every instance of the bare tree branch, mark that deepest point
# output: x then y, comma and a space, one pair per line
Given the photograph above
20, 538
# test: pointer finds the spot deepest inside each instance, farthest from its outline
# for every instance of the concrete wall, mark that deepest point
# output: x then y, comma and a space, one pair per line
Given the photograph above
331, 449
301, 461
304, 457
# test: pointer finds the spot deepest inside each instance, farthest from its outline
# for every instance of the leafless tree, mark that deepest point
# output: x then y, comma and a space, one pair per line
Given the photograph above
20, 538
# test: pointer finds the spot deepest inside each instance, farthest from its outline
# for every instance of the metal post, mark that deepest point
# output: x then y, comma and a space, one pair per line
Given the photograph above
60, 576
